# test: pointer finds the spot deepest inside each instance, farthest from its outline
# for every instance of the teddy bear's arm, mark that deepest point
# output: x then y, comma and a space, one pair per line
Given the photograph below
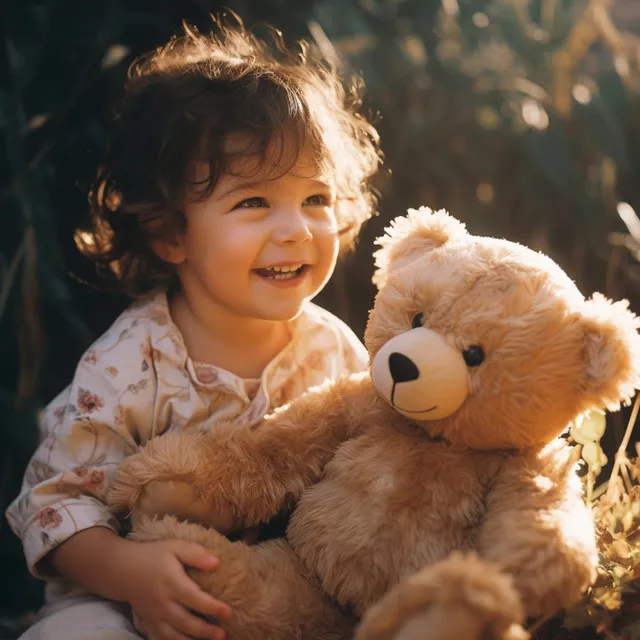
235, 477
538, 529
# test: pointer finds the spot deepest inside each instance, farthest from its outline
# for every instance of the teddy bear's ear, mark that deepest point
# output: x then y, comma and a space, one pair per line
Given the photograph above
612, 351
411, 236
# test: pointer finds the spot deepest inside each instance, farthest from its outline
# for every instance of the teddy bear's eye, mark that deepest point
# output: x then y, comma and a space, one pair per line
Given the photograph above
417, 320
473, 356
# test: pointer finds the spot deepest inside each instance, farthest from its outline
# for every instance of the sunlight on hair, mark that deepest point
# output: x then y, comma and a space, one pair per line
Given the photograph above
202, 87
324, 43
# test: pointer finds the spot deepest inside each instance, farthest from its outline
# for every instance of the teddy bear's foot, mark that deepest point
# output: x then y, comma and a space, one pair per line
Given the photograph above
152, 528
267, 587
460, 598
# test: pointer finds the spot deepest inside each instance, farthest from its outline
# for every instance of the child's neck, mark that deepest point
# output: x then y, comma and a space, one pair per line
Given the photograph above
214, 335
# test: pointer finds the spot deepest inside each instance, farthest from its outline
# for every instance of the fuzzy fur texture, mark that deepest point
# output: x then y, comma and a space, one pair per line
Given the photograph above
459, 527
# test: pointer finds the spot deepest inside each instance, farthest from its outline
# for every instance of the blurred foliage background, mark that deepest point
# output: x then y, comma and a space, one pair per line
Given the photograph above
521, 117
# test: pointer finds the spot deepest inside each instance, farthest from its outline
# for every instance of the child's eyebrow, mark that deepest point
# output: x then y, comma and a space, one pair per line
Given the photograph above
242, 186
255, 184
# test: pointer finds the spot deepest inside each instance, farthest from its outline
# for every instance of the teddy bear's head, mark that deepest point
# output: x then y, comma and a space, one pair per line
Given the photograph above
487, 343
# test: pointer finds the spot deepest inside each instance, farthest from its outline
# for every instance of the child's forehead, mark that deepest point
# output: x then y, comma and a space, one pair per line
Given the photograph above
246, 156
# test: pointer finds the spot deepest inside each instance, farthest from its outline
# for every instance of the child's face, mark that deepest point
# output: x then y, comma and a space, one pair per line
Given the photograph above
260, 246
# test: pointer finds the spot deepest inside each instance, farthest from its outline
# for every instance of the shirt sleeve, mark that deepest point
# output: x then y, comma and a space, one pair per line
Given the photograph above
96, 422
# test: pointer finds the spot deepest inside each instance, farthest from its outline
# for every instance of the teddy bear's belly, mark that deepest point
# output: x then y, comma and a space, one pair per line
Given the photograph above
384, 509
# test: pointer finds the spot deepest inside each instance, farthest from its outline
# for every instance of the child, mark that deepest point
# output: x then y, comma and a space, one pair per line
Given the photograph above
234, 177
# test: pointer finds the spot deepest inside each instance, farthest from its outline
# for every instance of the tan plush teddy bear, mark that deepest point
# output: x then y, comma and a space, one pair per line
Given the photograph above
432, 497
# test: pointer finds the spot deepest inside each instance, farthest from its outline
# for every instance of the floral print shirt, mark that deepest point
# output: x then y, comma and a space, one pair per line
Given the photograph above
136, 382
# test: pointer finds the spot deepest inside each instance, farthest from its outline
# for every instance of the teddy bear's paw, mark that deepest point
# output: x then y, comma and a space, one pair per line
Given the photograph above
171, 457
459, 598
181, 499
125, 489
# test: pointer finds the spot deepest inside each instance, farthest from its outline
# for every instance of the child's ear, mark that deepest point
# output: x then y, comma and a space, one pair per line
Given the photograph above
411, 236
612, 353
171, 251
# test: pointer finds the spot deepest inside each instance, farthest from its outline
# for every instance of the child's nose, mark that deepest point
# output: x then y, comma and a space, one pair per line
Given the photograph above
292, 226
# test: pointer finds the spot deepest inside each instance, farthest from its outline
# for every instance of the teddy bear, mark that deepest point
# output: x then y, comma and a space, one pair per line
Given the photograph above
431, 497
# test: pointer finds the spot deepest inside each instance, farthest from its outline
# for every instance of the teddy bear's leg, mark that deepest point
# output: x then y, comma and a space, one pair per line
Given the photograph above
271, 593
459, 598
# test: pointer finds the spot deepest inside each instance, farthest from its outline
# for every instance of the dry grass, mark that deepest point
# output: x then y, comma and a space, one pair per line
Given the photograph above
611, 607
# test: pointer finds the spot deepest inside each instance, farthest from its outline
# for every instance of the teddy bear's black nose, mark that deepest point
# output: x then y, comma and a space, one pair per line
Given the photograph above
402, 368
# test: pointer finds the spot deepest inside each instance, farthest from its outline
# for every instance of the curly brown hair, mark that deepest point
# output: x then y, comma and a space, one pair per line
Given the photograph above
181, 103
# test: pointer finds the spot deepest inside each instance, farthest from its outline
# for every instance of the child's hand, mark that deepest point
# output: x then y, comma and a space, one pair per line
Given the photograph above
164, 597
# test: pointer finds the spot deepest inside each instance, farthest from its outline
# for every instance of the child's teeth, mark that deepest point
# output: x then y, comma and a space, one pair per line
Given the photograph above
286, 269
282, 272
283, 276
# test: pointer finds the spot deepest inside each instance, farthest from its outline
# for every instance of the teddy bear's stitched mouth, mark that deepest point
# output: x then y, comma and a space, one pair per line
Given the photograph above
395, 406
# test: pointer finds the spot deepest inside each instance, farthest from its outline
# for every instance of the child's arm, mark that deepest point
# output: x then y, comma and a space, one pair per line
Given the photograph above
61, 514
89, 560
233, 477
149, 576
88, 430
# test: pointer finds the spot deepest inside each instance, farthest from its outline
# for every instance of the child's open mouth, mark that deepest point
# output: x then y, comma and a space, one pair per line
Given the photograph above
284, 272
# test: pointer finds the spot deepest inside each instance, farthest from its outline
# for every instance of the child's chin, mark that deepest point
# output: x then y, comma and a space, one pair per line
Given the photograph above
283, 313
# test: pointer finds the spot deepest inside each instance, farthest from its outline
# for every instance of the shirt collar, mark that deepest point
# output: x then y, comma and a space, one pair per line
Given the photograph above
168, 341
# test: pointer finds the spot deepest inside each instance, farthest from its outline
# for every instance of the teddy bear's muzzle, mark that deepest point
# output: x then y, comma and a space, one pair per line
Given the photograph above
421, 375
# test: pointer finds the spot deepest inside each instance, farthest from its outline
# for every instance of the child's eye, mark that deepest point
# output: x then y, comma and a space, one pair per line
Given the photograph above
318, 200
252, 203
